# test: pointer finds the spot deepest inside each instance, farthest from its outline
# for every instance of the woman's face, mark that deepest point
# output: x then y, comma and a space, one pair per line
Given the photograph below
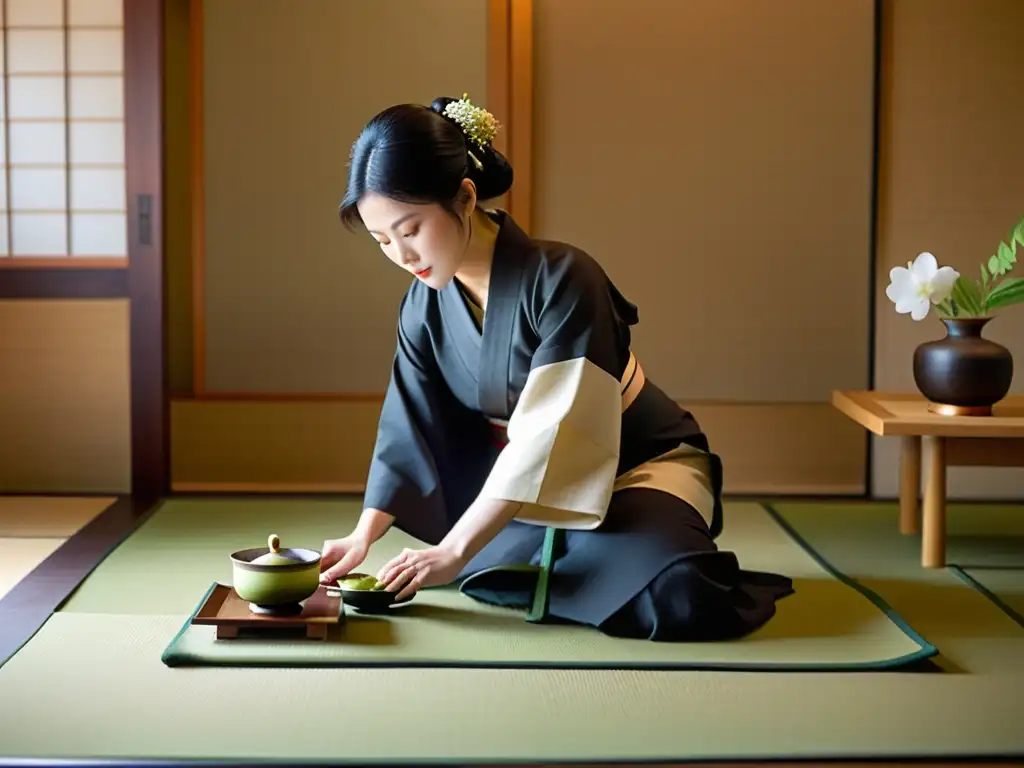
424, 240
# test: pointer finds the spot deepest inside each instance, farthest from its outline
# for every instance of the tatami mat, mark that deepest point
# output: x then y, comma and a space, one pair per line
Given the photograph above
974, 634
1004, 586
114, 698
167, 566
970, 708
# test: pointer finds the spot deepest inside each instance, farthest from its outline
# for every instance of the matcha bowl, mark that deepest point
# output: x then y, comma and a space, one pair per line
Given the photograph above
275, 581
362, 592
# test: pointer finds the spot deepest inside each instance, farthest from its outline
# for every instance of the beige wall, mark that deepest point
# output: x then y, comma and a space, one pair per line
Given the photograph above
769, 104
709, 153
293, 301
951, 182
64, 396
715, 156
286, 286
326, 445
761, 166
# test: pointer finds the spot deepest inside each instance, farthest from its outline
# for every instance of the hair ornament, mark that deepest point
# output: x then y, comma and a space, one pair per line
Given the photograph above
479, 125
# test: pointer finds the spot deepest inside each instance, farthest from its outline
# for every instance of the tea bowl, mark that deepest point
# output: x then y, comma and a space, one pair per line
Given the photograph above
372, 600
275, 580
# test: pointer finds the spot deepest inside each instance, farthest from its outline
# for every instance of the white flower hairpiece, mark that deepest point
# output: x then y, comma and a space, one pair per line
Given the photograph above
476, 122
479, 125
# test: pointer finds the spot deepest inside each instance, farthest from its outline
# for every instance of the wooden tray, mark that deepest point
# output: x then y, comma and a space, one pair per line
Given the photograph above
230, 614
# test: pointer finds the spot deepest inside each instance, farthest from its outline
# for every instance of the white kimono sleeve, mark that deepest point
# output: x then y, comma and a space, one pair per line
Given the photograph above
563, 447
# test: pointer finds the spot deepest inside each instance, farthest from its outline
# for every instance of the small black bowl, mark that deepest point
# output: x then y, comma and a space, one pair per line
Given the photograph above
366, 600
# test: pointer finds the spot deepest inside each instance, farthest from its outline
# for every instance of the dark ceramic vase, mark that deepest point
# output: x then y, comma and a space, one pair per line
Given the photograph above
963, 374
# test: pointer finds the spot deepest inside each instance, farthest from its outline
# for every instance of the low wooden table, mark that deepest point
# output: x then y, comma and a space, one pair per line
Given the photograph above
953, 441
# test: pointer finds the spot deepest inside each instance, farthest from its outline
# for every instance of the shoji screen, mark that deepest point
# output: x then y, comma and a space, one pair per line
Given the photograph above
63, 156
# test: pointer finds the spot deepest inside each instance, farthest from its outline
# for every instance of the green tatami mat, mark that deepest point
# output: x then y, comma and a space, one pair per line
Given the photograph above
167, 567
973, 632
1003, 586
986, 549
92, 685
97, 681
97, 684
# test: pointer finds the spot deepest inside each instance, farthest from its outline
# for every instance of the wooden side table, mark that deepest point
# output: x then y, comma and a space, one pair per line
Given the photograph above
953, 441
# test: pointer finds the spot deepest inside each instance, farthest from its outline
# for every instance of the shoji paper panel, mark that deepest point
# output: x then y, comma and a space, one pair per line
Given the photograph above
63, 161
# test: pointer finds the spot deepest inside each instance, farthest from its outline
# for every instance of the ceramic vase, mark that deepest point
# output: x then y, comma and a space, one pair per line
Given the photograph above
963, 374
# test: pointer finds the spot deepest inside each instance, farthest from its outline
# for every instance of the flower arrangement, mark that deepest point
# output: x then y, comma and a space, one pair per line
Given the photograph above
922, 284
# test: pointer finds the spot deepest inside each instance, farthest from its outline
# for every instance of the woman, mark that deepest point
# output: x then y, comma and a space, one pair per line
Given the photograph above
516, 410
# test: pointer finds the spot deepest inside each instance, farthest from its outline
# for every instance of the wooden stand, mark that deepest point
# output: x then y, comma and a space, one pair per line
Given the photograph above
230, 614
945, 441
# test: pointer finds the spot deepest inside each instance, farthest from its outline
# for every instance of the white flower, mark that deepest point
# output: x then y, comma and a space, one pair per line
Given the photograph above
915, 287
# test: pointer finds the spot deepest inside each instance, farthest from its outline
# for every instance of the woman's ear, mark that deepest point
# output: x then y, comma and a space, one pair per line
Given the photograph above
466, 198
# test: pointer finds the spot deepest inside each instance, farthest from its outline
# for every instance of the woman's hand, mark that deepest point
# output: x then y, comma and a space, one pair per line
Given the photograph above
340, 556
416, 568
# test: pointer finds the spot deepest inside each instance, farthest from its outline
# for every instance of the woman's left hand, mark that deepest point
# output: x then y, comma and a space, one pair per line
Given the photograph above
416, 568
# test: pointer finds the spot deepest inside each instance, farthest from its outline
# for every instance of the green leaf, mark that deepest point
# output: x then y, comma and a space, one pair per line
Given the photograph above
994, 266
1007, 255
1010, 291
984, 276
967, 295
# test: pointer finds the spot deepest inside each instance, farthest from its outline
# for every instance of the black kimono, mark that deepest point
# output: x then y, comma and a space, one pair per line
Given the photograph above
547, 407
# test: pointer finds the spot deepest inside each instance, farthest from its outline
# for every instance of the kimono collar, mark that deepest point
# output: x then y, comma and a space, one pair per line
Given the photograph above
504, 294
511, 237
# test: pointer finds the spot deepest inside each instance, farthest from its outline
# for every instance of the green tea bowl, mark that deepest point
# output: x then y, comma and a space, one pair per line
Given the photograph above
362, 592
275, 580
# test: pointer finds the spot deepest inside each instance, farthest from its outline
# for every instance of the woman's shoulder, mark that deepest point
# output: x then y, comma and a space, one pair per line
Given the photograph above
557, 265
559, 273
418, 312
547, 259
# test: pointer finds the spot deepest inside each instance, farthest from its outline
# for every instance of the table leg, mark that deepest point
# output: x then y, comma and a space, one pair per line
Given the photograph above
933, 540
910, 484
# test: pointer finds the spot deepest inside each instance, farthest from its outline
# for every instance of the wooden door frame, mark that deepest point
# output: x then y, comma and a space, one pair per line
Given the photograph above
144, 149
141, 279
25, 608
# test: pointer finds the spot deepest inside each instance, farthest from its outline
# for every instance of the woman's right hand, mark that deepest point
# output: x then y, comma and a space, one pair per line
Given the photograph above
340, 556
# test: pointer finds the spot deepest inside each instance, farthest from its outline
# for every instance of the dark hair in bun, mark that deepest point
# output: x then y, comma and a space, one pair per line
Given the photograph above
419, 154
